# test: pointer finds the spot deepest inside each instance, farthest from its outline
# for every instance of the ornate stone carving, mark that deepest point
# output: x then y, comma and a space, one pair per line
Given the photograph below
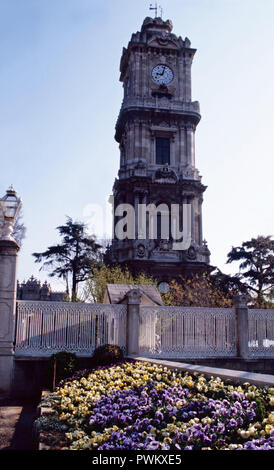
134, 296
165, 175
187, 42
192, 253
140, 164
141, 250
240, 300
151, 23
164, 245
190, 173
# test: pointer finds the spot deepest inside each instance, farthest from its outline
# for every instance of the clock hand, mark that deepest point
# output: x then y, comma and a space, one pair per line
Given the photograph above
160, 74
163, 71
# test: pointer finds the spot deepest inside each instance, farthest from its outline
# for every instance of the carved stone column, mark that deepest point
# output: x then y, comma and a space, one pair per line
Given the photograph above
8, 262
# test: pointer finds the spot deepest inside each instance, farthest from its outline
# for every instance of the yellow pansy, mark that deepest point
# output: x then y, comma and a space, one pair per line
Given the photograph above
268, 428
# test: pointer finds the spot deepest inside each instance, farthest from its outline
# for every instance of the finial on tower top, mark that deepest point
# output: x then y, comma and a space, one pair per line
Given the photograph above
155, 8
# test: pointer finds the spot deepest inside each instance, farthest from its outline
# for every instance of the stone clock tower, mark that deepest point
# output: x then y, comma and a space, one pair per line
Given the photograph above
156, 135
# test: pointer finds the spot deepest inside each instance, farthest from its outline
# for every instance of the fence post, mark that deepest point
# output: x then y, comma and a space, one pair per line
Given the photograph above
133, 320
8, 286
241, 310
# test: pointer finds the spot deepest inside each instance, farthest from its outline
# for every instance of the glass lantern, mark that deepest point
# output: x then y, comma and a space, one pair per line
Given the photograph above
10, 205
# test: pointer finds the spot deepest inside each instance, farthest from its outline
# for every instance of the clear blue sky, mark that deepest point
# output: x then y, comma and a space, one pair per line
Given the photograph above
60, 97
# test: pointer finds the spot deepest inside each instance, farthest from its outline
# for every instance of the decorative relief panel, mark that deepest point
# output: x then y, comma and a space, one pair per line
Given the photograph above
5, 320
6, 272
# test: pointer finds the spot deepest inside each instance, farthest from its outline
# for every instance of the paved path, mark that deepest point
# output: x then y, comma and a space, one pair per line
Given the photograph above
16, 421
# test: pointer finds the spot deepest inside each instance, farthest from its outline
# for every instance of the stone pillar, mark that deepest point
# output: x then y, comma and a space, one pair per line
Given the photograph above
133, 321
8, 261
241, 310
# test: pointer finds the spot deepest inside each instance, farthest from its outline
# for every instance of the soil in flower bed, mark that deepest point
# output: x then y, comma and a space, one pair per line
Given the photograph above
136, 405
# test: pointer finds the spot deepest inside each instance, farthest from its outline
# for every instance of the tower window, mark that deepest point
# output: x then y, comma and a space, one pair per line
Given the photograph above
162, 151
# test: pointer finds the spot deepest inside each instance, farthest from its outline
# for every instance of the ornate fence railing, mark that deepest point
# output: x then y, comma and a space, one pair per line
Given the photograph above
48, 327
187, 332
261, 332
43, 328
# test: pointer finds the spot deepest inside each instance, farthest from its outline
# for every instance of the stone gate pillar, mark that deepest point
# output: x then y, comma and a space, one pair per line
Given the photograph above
240, 303
8, 285
133, 321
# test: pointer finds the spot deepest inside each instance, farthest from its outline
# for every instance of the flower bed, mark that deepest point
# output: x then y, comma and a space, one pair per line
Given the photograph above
134, 405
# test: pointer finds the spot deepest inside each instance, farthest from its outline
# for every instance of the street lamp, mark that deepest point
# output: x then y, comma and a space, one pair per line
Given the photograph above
10, 205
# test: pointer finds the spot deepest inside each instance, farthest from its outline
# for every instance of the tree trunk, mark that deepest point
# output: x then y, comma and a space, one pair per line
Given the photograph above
74, 288
260, 297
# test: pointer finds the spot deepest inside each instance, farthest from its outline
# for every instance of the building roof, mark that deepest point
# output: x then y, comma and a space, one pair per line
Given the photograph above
116, 292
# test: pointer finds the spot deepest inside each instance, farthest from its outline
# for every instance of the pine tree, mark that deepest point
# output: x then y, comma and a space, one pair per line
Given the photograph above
75, 257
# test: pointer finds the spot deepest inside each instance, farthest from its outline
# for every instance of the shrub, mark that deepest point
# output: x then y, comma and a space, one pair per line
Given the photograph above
261, 411
95, 286
66, 364
107, 354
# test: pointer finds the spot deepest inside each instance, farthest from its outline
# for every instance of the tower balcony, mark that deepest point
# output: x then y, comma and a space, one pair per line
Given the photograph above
139, 105
161, 103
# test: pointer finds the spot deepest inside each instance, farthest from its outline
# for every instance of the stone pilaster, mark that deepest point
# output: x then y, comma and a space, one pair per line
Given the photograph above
188, 63
133, 321
240, 303
8, 262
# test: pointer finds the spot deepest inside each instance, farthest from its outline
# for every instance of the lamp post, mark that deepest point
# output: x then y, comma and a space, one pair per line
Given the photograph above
10, 206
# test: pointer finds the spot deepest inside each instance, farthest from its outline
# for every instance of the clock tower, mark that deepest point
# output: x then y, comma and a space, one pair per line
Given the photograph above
156, 135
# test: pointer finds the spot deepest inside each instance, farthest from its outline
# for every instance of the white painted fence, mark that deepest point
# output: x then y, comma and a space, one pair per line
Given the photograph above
43, 328
182, 332
261, 332
48, 327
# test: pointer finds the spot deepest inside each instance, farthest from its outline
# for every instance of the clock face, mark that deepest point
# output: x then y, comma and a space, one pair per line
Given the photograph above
162, 75
163, 287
